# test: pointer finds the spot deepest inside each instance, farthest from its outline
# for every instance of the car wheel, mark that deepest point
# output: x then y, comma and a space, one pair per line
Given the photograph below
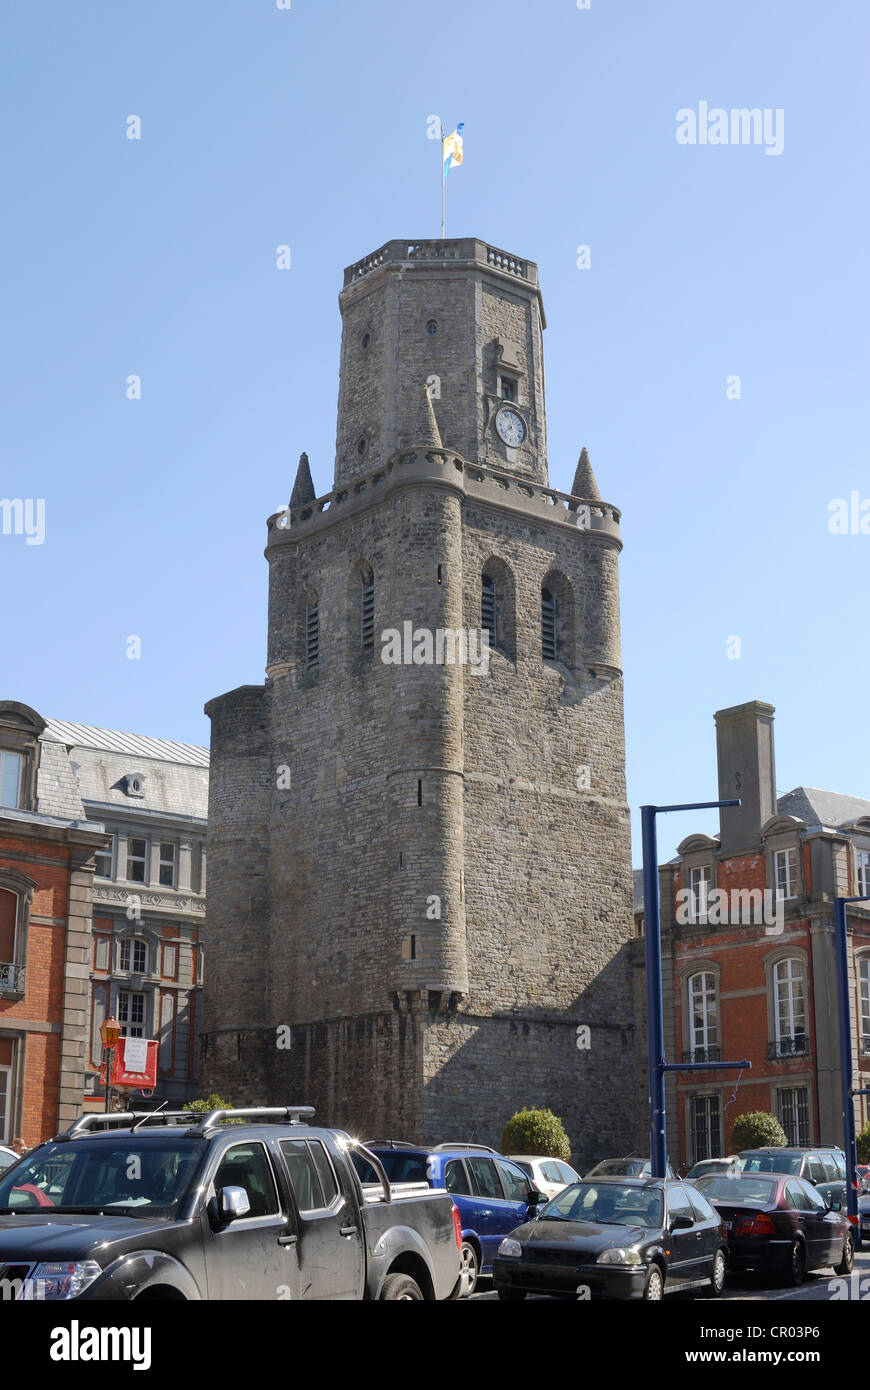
654, 1288
401, 1286
797, 1264
469, 1269
717, 1274
512, 1295
845, 1265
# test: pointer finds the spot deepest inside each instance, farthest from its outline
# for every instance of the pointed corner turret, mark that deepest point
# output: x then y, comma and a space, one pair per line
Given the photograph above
426, 429
303, 488
584, 479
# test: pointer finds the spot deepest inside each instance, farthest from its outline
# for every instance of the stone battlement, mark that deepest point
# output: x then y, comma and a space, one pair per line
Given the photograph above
467, 249
478, 481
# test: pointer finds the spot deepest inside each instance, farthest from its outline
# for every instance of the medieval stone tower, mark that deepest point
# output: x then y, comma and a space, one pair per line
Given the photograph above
419, 864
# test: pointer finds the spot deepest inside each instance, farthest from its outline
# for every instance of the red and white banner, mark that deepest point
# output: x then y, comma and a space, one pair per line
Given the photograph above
134, 1064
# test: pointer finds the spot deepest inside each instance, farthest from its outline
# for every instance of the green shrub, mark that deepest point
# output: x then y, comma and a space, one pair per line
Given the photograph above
864, 1144
757, 1130
212, 1102
536, 1132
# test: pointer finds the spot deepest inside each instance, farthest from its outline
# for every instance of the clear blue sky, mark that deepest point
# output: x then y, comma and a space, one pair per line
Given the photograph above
263, 126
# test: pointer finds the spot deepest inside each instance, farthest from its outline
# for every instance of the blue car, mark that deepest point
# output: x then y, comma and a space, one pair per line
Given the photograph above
492, 1195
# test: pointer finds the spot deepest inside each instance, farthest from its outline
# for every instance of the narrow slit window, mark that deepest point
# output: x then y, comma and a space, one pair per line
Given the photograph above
419, 793
312, 635
548, 626
367, 612
488, 609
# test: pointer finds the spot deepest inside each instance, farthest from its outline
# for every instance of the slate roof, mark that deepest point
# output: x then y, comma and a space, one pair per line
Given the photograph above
817, 807
138, 745
83, 768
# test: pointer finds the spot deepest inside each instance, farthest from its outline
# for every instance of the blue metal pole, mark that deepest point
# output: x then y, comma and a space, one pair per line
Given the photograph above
655, 1026
850, 1144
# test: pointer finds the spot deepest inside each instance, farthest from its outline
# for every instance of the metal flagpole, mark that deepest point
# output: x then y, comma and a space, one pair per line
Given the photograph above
443, 182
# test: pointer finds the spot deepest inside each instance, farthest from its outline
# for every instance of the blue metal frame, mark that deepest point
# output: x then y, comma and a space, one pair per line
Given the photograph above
656, 1064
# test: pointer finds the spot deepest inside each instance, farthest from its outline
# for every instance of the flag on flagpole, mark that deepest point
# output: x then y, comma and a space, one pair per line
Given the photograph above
451, 149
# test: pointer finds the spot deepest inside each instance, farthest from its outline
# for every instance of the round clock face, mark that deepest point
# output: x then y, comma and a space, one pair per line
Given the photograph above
511, 426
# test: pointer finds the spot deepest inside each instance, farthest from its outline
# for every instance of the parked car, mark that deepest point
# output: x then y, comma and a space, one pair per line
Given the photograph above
779, 1223
492, 1195
705, 1167
824, 1167
617, 1237
864, 1215
550, 1175
7, 1158
634, 1166
180, 1206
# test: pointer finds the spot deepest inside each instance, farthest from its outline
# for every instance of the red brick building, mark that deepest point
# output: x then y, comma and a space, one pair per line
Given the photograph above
47, 849
749, 975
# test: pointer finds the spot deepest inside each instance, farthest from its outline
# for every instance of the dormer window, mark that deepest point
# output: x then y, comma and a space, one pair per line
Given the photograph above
135, 784
10, 779
862, 859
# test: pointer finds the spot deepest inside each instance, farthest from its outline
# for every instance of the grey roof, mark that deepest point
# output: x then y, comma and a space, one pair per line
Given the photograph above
134, 745
816, 807
83, 773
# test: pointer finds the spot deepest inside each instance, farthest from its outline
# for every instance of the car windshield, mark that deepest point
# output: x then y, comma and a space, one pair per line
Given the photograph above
771, 1163
133, 1175
708, 1165
742, 1191
618, 1168
609, 1204
7, 1160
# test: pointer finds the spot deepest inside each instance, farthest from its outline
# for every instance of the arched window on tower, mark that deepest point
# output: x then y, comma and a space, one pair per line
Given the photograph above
549, 643
489, 608
367, 611
312, 635
557, 619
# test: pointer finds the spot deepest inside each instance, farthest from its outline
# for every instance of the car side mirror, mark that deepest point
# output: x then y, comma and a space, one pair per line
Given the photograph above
233, 1202
681, 1223
835, 1206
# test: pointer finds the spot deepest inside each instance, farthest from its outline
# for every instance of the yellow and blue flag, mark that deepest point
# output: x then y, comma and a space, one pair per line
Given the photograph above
451, 148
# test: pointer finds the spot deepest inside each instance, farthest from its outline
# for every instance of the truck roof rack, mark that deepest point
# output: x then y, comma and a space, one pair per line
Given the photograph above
290, 1114
96, 1119
195, 1124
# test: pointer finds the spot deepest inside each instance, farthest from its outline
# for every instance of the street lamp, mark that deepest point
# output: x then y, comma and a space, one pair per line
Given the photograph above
110, 1032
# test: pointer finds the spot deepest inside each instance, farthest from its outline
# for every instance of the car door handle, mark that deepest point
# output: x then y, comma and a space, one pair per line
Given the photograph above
288, 1240
348, 1230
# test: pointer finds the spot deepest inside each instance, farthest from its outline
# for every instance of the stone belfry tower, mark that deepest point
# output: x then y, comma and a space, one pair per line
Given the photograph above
420, 892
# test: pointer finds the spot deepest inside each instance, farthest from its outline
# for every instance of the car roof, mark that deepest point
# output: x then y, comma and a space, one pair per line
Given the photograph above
621, 1180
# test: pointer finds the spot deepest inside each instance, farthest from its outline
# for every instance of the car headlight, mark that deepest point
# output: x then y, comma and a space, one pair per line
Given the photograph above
621, 1255
60, 1280
510, 1247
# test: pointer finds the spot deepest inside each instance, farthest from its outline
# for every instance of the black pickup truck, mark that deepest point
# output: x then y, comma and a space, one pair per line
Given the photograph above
237, 1204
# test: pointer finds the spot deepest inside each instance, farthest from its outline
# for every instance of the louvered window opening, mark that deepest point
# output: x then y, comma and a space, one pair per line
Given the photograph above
312, 635
367, 612
488, 609
548, 625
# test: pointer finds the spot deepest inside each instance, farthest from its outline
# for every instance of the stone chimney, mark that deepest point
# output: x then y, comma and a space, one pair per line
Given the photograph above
744, 749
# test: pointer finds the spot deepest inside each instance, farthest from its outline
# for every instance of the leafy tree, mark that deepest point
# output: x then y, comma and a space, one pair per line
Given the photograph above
864, 1144
757, 1129
536, 1132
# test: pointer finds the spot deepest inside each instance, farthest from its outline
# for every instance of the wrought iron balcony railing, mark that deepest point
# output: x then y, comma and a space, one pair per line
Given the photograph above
703, 1054
11, 979
797, 1045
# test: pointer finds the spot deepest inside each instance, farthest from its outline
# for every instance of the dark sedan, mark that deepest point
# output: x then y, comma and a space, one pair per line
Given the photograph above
779, 1223
616, 1237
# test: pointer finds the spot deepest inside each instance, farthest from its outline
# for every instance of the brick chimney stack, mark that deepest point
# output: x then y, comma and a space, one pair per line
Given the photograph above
744, 749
